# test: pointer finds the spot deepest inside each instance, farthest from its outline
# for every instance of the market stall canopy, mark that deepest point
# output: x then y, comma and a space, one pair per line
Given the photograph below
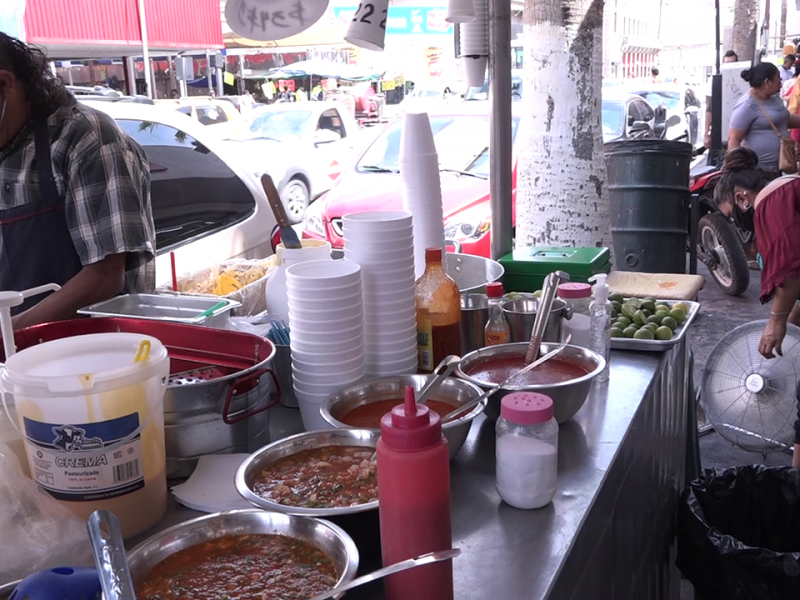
326, 68
321, 34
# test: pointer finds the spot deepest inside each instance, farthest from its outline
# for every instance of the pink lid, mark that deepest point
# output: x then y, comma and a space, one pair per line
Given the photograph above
411, 426
526, 408
574, 290
494, 290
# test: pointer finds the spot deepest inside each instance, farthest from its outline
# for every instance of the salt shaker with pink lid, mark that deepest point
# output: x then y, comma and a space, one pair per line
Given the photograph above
526, 450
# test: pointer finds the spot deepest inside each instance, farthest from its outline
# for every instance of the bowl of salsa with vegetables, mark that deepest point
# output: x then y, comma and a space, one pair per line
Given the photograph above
361, 406
243, 554
317, 473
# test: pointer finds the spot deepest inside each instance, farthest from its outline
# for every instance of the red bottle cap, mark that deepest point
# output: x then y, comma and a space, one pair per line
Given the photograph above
494, 290
433, 255
411, 426
574, 290
526, 408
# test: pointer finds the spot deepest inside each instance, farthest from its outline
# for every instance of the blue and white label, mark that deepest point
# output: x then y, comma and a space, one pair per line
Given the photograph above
68, 459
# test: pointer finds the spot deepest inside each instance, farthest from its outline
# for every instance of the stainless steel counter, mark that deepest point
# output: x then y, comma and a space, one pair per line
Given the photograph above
609, 531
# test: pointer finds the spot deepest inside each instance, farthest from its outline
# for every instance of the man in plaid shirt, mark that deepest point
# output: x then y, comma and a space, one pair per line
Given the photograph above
74, 195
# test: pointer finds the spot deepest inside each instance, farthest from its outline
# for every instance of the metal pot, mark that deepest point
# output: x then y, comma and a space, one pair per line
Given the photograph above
568, 396
521, 313
455, 391
474, 316
472, 273
327, 537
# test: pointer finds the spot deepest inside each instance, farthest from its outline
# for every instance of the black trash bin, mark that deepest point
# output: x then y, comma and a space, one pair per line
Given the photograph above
739, 533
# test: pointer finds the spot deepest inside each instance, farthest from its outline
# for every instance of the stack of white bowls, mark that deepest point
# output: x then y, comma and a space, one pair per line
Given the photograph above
421, 188
474, 39
326, 318
382, 243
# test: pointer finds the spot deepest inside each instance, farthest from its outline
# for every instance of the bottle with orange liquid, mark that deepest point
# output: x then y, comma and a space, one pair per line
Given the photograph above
438, 313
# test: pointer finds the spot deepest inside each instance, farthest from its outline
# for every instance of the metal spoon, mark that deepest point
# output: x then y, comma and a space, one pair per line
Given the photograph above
442, 371
109, 556
473, 403
549, 291
425, 559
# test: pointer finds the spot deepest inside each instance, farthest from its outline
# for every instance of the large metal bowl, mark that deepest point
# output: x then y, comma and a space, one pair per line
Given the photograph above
568, 396
270, 454
455, 391
327, 537
472, 273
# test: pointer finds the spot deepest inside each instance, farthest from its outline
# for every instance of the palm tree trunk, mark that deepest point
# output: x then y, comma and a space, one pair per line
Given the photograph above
745, 27
562, 198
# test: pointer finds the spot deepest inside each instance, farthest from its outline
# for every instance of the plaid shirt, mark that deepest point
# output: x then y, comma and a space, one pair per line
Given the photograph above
103, 176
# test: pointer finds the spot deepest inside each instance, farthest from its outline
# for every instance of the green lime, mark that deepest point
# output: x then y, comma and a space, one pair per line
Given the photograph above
629, 332
663, 306
629, 310
646, 312
649, 305
643, 334
662, 313
616, 332
663, 333
639, 317
670, 322
651, 326
678, 315
682, 306
617, 306
654, 319
623, 321
537, 294
616, 297
634, 302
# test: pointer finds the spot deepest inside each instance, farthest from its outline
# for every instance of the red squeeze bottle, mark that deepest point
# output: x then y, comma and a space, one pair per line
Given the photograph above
414, 500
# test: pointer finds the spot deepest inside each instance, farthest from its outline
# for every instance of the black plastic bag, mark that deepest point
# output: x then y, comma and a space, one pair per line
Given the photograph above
739, 533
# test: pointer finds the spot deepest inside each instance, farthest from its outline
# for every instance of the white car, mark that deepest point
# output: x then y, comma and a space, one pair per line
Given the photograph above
677, 101
206, 208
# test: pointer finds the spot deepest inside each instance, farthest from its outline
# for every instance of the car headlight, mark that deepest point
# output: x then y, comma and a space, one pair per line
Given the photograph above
313, 218
468, 225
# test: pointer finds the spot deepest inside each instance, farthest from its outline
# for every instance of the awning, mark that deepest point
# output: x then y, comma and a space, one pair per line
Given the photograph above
321, 34
326, 68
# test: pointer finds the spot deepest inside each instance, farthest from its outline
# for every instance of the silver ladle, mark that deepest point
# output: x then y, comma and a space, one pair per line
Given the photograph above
110, 557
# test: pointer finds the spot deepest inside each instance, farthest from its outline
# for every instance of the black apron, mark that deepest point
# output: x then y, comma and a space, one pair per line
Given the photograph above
35, 244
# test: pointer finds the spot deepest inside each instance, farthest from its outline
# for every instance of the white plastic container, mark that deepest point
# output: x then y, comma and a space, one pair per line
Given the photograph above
10, 436
526, 450
93, 419
578, 296
277, 302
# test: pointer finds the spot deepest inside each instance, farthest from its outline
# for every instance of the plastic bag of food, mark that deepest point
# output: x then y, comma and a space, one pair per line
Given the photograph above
36, 532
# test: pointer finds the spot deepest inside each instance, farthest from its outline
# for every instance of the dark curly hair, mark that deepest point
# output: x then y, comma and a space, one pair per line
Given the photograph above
739, 170
29, 64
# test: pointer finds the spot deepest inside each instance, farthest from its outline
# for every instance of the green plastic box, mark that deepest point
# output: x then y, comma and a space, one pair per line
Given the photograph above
526, 268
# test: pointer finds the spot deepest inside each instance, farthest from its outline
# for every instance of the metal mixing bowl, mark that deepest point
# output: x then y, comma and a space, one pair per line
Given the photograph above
568, 396
454, 391
270, 454
327, 537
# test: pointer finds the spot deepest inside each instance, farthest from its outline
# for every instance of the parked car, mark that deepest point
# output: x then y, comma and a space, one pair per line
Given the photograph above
219, 114
425, 99
373, 183
678, 101
627, 117
482, 92
206, 208
321, 138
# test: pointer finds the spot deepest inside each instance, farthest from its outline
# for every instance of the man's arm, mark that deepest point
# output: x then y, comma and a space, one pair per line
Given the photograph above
94, 283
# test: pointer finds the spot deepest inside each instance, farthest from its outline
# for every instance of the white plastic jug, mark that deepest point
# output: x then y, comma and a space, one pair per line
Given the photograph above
91, 409
277, 302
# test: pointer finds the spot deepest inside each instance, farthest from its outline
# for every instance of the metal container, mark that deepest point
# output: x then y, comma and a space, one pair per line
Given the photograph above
268, 455
472, 273
474, 316
165, 307
327, 537
521, 314
283, 368
568, 396
452, 390
220, 390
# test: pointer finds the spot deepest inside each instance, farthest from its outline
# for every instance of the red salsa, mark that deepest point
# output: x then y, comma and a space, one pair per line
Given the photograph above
326, 477
369, 415
253, 566
499, 368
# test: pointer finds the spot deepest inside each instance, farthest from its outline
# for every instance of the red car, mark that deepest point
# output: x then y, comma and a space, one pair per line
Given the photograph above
462, 142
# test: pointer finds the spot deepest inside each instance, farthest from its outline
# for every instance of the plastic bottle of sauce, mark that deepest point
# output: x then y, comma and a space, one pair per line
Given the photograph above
497, 330
414, 500
438, 313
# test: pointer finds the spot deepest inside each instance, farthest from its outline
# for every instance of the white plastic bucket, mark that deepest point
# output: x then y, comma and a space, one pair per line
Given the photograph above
93, 423
10, 436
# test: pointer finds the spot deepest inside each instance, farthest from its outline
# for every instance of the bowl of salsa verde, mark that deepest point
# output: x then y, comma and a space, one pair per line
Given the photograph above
361, 405
317, 473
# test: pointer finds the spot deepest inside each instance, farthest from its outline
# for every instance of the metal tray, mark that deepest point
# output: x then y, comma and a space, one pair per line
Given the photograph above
660, 345
164, 307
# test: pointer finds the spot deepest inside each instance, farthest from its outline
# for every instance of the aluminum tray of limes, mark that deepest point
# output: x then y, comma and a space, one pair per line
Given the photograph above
649, 324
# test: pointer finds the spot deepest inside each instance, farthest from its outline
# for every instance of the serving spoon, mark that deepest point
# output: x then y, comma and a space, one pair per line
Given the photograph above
411, 563
109, 556
442, 371
473, 403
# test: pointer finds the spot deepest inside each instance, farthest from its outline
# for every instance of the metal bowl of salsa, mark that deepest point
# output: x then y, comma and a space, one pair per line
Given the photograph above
567, 378
317, 473
363, 404
220, 543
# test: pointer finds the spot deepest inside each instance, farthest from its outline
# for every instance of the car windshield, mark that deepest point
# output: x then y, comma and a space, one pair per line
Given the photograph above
671, 100
420, 93
280, 125
613, 114
462, 143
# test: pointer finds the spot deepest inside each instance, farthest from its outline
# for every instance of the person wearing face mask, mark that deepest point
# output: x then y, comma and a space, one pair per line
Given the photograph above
74, 195
760, 119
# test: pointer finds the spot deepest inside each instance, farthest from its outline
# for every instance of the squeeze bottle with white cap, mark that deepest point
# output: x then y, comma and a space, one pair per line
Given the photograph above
600, 315
414, 500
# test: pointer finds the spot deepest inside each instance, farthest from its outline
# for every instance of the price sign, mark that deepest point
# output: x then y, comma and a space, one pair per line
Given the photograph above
270, 20
368, 27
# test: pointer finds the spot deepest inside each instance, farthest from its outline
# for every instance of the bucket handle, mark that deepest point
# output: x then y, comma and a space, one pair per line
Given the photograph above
226, 417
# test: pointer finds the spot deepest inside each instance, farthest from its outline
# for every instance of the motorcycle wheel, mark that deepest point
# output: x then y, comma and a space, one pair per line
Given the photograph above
721, 243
